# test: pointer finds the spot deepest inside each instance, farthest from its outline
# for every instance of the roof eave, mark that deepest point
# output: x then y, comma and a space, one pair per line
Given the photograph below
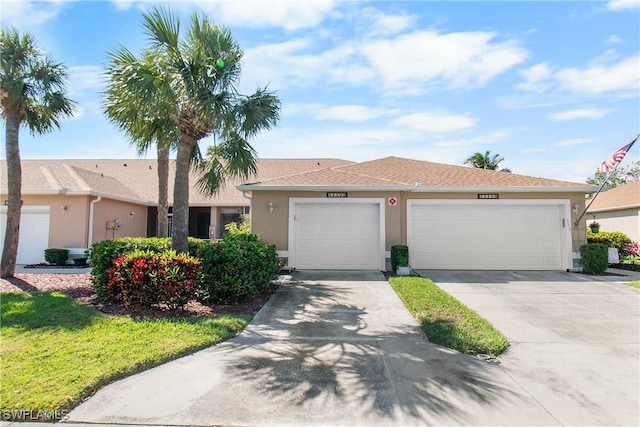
614, 208
419, 189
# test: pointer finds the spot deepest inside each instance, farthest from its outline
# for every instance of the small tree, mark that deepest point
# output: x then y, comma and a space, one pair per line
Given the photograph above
620, 176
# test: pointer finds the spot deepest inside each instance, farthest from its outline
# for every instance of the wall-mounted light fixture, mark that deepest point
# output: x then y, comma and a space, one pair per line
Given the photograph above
270, 206
132, 214
576, 208
64, 209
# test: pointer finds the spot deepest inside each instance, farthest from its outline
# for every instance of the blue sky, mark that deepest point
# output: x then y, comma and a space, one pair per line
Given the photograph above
552, 86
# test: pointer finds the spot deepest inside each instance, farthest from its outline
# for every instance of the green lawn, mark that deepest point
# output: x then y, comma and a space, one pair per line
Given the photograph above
635, 284
55, 351
447, 321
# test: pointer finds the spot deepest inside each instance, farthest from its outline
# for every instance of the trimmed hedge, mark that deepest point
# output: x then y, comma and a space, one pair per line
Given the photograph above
236, 269
611, 239
399, 256
143, 279
56, 256
595, 257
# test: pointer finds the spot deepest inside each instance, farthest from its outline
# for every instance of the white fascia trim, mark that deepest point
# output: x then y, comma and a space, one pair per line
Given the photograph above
300, 200
617, 208
564, 204
419, 189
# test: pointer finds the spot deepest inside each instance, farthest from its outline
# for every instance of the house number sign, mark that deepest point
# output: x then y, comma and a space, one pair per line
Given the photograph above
489, 196
336, 195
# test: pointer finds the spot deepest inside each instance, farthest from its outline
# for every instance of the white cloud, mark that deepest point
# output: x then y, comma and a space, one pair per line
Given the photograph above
620, 5
572, 142
536, 78
379, 22
613, 39
436, 122
421, 59
290, 15
27, 15
582, 113
350, 113
475, 141
606, 73
598, 78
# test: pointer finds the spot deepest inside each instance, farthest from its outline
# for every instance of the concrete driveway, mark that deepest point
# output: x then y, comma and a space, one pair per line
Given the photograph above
574, 338
330, 348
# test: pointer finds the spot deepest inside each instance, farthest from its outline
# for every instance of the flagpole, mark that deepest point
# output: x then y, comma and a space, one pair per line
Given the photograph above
593, 199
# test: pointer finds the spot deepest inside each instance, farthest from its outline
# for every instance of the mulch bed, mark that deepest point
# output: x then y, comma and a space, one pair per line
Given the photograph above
78, 287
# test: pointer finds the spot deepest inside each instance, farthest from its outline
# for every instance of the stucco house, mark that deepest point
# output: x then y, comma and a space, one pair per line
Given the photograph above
451, 217
618, 209
72, 203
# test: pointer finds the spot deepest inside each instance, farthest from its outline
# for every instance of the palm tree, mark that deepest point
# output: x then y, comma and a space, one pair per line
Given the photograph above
139, 121
187, 87
486, 161
32, 93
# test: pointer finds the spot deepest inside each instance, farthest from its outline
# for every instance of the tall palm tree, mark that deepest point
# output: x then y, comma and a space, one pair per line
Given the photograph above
188, 86
140, 120
32, 93
486, 161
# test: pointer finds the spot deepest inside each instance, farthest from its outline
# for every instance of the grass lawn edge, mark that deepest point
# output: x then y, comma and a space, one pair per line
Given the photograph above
445, 320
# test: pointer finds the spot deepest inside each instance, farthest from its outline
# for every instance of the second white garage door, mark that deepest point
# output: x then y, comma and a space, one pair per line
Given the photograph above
488, 235
335, 235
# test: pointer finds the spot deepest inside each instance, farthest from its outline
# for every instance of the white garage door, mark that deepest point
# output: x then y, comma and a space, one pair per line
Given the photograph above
34, 233
487, 235
340, 235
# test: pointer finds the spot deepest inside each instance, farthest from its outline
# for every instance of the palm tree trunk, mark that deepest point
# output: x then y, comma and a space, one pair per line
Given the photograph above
181, 195
163, 189
14, 181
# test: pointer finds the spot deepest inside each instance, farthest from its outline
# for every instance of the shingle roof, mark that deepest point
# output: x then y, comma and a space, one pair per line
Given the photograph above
137, 179
624, 196
396, 172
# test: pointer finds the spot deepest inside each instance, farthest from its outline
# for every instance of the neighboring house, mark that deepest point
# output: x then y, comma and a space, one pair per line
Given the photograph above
451, 217
73, 203
618, 209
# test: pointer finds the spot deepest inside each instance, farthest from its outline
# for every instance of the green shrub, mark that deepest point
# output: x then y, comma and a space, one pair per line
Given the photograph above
611, 239
399, 256
595, 257
56, 256
105, 252
236, 269
143, 279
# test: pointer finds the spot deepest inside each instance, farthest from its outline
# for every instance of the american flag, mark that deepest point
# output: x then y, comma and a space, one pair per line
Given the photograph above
610, 164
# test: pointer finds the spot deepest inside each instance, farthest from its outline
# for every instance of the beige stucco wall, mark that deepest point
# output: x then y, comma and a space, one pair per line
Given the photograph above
69, 219
113, 210
626, 221
274, 227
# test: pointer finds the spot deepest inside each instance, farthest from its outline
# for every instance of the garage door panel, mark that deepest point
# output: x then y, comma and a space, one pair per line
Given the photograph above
336, 235
474, 236
34, 233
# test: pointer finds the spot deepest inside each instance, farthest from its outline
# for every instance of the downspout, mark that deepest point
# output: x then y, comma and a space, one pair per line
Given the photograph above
91, 211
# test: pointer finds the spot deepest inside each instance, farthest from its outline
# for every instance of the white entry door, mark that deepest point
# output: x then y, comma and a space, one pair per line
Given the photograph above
336, 235
34, 233
488, 235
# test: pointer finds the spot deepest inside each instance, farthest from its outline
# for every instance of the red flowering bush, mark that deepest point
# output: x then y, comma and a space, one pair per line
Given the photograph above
143, 279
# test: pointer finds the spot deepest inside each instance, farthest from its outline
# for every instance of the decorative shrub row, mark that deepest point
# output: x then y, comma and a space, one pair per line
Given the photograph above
232, 270
56, 256
142, 279
595, 257
611, 239
105, 252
